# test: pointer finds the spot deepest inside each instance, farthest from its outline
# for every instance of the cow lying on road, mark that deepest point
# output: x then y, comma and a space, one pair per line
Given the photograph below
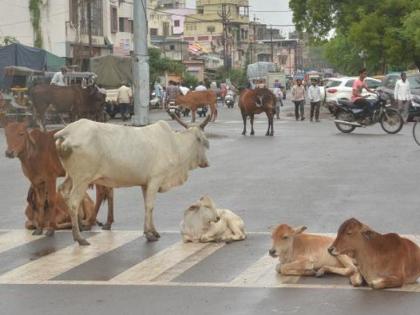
304, 254
153, 157
203, 222
384, 260
62, 217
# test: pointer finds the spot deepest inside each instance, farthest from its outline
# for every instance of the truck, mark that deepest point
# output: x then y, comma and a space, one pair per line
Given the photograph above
267, 72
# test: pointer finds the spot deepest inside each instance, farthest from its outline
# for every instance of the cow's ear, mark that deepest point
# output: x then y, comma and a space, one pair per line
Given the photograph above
299, 229
33, 135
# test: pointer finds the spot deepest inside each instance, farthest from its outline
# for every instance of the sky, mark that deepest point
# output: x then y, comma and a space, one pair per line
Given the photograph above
275, 18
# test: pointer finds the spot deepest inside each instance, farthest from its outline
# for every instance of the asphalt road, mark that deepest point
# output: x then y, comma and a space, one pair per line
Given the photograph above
307, 174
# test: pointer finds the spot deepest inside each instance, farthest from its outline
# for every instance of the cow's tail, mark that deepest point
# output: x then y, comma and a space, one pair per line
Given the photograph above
64, 150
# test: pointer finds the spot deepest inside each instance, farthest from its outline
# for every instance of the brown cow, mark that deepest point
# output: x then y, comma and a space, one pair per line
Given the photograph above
62, 217
40, 164
256, 101
304, 254
384, 260
195, 99
78, 102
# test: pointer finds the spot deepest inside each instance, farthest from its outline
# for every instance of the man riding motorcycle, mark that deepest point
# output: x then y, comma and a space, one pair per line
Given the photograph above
358, 86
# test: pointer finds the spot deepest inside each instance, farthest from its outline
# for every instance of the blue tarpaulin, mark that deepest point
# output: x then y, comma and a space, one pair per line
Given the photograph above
25, 56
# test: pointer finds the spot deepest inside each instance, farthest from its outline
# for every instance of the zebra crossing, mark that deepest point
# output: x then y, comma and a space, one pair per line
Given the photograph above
124, 258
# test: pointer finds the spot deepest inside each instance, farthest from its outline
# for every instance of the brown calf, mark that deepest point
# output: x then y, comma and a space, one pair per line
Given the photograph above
384, 260
196, 99
304, 254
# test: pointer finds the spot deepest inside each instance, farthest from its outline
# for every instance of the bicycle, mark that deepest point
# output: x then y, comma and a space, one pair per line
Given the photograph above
416, 130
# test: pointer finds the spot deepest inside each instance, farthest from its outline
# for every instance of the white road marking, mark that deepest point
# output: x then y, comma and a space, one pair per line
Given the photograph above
154, 266
15, 238
56, 263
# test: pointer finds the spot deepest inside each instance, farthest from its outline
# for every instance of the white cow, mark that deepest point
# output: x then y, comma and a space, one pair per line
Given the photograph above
203, 222
153, 157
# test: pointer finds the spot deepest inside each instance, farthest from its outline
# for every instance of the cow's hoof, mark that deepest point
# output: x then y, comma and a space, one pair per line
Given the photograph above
155, 233
49, 232
252, 133
151, 237
106, 227
37, 232
83, 242
244, 133
320, 273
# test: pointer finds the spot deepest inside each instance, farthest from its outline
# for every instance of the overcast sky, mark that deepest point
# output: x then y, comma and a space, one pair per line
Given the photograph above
275, 18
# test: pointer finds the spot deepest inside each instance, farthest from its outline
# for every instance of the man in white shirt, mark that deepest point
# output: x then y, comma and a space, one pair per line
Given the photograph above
124, 100
402, 95
200, 87
314, 95
58, 79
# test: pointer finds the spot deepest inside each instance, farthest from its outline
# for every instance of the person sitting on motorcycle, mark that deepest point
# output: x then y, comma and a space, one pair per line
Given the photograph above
171, 92
358, 86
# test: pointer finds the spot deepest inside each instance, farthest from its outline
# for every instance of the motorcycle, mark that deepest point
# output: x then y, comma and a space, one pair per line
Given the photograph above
175, 109
349, 117
230, 100
202, 111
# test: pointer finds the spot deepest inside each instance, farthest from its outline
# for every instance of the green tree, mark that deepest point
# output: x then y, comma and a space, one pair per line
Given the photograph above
159, 65
385, 29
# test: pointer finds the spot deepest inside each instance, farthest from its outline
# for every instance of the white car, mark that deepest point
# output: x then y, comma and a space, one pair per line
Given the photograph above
342, 88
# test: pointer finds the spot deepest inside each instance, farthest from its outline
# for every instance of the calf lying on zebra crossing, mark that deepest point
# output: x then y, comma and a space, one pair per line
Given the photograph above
304, 254
203, 223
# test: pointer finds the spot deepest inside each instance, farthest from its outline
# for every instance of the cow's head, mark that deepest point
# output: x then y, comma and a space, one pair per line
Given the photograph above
351, 235
200, 141
204, 212
283, 237
17, 136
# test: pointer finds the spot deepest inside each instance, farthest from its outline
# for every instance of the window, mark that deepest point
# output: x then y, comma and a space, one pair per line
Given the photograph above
153, 32
332, 83
211, 28
131, 26
114, 19
172, 47
177, 23
372, 84
122, 24
391, 81
200, 10
349, 83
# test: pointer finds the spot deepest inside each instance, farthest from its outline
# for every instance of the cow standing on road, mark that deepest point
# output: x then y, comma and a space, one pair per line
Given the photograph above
195, 99
153, 157
257, 101
384, 260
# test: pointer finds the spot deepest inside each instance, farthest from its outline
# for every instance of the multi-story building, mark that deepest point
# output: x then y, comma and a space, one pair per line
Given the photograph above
221, 26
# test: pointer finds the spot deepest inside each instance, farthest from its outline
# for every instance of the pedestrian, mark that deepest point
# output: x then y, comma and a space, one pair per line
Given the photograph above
158, 90
314, 95
298, 98
279, 97
402, 95
124, 98
59, 77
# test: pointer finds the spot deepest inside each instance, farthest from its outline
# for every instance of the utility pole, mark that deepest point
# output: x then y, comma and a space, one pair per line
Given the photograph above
140, 65
225, 14
89, 18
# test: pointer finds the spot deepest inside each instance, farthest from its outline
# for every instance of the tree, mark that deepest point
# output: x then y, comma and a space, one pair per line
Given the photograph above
159, 65
7, 40
385, 29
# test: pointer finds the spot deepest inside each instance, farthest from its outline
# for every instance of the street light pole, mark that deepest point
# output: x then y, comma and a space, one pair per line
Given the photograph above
140, 65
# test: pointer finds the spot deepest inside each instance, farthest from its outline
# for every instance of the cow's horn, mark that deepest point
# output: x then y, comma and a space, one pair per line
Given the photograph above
175, 117
205, 122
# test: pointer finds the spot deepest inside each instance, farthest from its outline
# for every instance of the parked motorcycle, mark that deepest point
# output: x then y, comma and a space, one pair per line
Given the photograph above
202, 111
175, 109
349, 117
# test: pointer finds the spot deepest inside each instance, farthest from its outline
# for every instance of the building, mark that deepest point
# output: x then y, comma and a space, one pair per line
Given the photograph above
63, 27
171, 4
221, 26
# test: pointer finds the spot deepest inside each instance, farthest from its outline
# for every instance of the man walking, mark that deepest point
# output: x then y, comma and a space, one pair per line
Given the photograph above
314, 95
402, 95
298, 97
279, 97
124, 100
